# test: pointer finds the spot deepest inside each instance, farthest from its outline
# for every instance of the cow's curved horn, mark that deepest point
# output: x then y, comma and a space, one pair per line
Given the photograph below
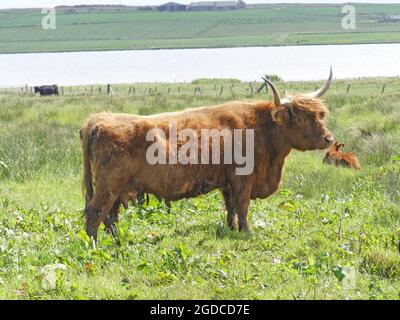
277, 97
320, 92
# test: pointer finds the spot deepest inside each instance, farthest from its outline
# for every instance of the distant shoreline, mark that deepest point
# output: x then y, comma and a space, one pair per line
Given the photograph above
201, 48
110, 7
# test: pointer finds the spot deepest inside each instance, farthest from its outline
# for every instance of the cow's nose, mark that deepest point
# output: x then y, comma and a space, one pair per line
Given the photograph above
329, 138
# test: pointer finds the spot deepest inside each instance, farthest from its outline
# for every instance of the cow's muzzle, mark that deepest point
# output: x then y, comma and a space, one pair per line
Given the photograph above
328, 141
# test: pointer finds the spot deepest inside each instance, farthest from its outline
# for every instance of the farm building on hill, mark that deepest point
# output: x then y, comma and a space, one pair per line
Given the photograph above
172, 6
217, 5
390, 19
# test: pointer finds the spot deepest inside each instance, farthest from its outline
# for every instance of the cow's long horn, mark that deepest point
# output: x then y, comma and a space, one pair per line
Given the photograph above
277, 97
320, 92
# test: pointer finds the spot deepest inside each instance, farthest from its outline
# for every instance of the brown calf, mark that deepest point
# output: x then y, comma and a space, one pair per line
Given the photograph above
336, 157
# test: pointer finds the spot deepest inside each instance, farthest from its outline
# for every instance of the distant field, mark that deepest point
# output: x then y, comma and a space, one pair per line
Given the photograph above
20, 30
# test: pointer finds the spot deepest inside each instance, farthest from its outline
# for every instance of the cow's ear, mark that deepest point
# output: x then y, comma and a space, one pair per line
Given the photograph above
280, 115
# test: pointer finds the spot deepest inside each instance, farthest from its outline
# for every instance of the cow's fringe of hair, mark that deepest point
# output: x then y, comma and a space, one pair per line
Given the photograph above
303, 102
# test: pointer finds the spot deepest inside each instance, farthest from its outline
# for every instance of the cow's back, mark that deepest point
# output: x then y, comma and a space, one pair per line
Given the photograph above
118, 148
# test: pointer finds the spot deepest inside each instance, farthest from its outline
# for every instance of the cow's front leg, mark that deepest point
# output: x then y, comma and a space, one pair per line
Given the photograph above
231, 217
241, 200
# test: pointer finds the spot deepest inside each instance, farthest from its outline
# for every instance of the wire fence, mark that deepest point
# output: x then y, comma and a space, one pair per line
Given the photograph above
216, 89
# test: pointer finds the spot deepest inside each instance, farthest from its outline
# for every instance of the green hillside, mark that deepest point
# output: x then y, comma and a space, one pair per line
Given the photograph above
21, 31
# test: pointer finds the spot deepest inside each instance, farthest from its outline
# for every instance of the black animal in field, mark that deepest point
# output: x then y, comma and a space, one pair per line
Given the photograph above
47, 90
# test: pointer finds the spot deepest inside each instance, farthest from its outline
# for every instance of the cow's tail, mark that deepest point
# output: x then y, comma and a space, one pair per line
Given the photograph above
87, 184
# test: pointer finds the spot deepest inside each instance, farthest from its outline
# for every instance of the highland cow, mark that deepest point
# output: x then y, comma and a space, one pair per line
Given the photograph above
116, 148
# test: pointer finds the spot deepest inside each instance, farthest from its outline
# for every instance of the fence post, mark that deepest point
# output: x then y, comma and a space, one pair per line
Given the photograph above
262, 87
383, 88
110, 90
348, 88
221, 91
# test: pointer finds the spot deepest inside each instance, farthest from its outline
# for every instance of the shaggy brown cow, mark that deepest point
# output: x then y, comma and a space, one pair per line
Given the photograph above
115, 148
336, 157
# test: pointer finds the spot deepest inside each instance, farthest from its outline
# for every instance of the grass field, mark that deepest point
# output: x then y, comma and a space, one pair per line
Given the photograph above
324, 225
20, 30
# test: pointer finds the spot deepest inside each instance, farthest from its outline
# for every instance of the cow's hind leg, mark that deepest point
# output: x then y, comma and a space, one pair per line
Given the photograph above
142, 199
112, 219
168, 204
97, 211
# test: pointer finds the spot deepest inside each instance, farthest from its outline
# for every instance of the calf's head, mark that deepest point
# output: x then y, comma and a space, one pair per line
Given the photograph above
336, 146
303, 118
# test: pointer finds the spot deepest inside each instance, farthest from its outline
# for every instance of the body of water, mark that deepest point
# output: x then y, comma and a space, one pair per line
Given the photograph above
178, 65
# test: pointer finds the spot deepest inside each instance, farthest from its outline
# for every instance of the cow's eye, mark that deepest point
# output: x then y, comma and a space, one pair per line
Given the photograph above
322, 115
